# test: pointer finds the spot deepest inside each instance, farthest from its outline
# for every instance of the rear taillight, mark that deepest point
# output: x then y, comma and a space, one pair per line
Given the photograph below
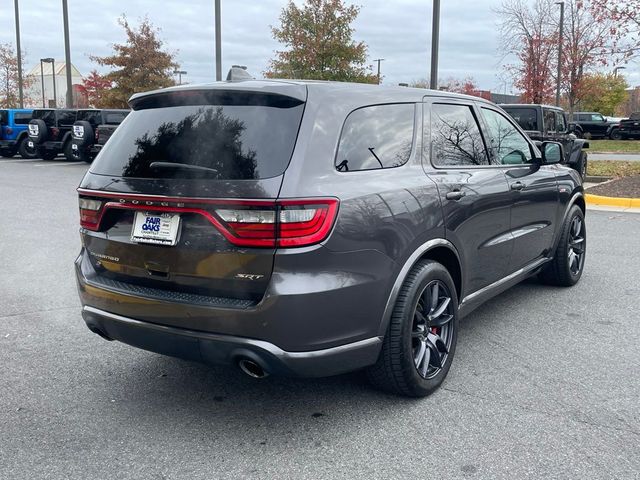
97, 135
288, 223
90, 212
9, 130
245, 223
54, 132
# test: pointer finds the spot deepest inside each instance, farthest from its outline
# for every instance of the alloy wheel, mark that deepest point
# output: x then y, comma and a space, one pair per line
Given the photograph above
432, 330
576, 245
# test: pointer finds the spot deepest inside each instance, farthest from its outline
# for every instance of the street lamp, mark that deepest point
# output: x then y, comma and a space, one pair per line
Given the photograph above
560, 39
179, 73
379, 60
19, 54
435, 38
67, 55
615, 71
218, 42
53, 76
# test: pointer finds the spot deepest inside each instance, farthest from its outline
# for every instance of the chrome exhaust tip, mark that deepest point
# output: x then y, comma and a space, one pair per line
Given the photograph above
252, 369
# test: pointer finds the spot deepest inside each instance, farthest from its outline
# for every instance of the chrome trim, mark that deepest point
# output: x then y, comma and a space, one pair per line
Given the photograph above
527, 268
240, 341
404, 271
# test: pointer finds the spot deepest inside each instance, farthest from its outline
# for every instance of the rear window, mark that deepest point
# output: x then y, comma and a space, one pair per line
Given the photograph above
525, 117
94, 117
47, 116
4, 117
66, 117
21, 118
114, 118
238, 139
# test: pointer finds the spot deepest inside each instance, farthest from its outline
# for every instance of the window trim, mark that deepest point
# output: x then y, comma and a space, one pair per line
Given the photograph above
416, 126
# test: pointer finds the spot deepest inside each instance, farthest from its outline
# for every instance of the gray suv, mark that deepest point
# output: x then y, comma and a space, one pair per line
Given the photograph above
314, 228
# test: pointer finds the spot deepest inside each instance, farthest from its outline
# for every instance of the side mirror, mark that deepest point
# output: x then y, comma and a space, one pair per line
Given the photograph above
551, 153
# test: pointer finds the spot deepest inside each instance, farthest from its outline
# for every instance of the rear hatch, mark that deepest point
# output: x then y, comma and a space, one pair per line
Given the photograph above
181, 203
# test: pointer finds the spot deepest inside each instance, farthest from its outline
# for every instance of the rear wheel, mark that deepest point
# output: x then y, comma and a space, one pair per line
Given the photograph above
26, 151
48, 154
68, 152
568, 262
421, 339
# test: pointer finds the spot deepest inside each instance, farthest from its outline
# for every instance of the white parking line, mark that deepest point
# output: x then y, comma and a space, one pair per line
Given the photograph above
32, 160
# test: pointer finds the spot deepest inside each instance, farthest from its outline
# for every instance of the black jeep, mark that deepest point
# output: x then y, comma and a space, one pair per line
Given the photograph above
547, 123
91, 131
50, 132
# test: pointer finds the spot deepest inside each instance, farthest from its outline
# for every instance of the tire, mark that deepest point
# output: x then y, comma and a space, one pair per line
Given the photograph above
566, 269
25, 151
581, 166
68, 151
42, 131
615, 134
83, 156
410, 334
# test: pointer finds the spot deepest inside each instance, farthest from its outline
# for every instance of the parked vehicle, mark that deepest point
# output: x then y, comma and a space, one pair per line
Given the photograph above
13, 133
91, 131
314, 228
546, 123
628, 128
50, 132
592, 125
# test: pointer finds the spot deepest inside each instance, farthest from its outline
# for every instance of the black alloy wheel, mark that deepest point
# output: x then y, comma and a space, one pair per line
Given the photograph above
432, 334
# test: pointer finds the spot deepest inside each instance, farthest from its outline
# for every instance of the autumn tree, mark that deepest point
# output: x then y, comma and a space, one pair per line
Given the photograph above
139, 64
9, 89
97, 88
318, 37
626, 16
603, 93
529, 33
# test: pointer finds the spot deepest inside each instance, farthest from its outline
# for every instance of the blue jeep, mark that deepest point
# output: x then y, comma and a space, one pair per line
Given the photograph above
14, 134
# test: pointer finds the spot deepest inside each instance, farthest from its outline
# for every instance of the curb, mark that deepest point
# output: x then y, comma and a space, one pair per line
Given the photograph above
612, 201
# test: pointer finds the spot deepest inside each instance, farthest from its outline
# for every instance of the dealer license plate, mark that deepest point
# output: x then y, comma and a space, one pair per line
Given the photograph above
158, 228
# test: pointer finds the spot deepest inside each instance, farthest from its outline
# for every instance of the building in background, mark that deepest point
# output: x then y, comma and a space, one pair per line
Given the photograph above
633, 102
33, 95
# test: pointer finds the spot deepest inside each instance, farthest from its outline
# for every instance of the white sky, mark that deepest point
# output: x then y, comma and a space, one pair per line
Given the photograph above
397, 30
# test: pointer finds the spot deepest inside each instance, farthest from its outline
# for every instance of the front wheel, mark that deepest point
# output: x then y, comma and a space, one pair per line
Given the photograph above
615, 134
420, 342
567, 265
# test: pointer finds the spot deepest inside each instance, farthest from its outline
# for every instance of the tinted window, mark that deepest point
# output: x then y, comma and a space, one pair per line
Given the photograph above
114, 118
455, 136
4, 117
508, 145
47, 116
560, 123
376, 137
94, 117
596, 117
526, 117
237, 141
66, 117
21, 118
549, 121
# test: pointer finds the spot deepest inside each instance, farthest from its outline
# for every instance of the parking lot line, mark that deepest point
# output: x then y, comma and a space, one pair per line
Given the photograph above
56, 164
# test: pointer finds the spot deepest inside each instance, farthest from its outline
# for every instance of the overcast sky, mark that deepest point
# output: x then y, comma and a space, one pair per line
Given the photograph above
396, 30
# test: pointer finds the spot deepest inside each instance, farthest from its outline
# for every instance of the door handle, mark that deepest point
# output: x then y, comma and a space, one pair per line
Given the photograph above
517, 186
455, 195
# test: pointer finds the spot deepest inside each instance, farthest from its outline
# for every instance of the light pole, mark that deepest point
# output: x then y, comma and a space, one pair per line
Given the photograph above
67, 54
53, 76
379, 60
179, 73
615, 71
42, 83
218, 42
435, 39
560, 40
19, 54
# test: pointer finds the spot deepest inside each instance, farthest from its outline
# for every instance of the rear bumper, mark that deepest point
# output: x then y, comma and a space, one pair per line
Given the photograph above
217, 349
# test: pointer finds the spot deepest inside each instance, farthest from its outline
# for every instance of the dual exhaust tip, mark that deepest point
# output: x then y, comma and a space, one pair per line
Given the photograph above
251, 368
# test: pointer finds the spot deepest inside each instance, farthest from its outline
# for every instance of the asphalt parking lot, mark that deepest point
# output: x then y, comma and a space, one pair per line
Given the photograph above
545, 383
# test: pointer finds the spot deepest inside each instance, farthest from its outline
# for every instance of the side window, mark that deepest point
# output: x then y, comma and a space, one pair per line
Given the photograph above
597, 118
455, 136
376, 137
560, 123
549, 121
508, 145
21, 118
4, 117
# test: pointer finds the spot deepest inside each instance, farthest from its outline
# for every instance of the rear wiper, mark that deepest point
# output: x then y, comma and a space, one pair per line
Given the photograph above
181, 166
